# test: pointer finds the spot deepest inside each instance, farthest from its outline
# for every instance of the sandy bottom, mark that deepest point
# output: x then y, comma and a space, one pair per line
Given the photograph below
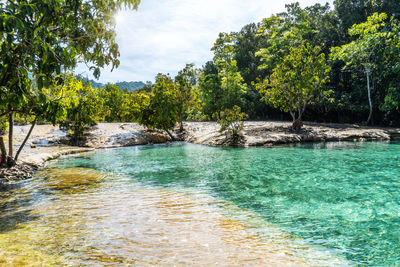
82, 217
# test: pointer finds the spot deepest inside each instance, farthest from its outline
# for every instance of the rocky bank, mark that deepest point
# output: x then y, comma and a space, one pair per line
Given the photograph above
48, 142
262, 133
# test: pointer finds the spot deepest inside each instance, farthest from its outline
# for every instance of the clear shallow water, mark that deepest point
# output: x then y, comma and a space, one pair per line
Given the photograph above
324, 204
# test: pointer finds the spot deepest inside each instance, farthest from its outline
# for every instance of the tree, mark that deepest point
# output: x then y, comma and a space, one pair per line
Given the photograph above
139, 109
187, 95
232, 84
246, 43
115, 101
231, 120
39, 105
376, 49
83, 107
353, 12
211, 93
316, 25
146, 88
298, 81
40, 39
159, 109
3, 151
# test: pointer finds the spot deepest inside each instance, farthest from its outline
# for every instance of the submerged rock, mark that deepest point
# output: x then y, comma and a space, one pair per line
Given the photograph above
72, 180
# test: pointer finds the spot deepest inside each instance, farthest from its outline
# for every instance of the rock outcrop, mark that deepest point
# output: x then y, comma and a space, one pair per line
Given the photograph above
275, 133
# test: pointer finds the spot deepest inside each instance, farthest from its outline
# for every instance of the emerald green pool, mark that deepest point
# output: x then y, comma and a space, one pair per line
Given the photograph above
339, 198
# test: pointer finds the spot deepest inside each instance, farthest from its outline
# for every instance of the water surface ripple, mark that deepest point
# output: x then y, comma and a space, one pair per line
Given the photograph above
184, 204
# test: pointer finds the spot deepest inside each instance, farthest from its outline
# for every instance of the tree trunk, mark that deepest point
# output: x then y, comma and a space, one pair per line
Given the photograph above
10, 134
301, 112
3, 152
170, 135
25, 140
293, 114
369, 100
180, 124
297, 123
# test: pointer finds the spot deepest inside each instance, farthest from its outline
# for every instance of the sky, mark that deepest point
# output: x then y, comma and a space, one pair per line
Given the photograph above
163, 35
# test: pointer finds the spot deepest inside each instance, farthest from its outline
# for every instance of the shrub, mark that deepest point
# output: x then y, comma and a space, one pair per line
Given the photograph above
232, 122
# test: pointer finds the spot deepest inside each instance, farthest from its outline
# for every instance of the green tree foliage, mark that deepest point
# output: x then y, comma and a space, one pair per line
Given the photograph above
298, 81
187, 95
375, 51
232, 84
246, 43
232, 121
39, 39
353, 12
370, 35
83, 108
315, 25
243, 59
115, 100
211, 93
139, 103
158, 109
258, 49
146, 88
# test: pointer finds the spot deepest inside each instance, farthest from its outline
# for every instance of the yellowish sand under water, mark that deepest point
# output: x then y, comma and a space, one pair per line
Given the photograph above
84, 217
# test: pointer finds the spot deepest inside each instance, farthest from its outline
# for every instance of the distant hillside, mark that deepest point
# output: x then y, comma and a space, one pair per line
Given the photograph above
130, 86
96, 84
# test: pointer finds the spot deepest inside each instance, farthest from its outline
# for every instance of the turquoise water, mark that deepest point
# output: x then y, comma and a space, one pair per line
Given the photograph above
343, 197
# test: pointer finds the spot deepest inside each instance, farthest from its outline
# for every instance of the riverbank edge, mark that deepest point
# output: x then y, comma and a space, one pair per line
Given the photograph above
25, 169
266, 134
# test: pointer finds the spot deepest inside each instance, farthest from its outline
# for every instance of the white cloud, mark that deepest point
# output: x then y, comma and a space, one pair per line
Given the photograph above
162, 36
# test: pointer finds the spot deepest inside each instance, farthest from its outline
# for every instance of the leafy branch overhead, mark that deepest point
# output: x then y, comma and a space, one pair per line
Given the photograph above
40, 40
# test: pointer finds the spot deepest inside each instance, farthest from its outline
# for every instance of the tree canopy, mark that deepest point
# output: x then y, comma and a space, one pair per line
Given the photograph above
298, 81
40, 40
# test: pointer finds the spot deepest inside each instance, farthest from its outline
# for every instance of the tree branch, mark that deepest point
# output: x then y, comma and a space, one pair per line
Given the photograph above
26, 139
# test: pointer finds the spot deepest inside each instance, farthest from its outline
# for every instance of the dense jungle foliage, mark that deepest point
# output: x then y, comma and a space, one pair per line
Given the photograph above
314, 63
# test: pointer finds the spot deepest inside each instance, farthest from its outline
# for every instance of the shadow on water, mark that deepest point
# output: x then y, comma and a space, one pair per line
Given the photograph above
12, 220
6, 188
15, 206
19, 201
